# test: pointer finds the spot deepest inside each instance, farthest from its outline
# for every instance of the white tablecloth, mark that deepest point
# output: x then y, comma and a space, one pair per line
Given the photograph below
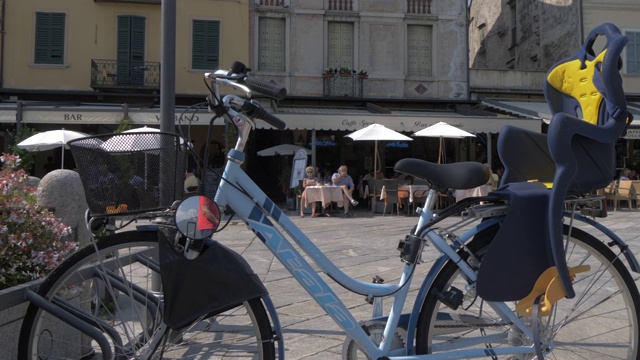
324, 194
481, 190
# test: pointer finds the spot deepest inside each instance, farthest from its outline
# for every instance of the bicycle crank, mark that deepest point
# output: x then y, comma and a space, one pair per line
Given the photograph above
352, 351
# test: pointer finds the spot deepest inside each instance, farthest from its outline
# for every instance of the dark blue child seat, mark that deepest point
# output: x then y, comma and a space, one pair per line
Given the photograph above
576, 156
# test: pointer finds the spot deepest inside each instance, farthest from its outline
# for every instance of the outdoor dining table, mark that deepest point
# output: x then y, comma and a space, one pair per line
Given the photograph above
323, 193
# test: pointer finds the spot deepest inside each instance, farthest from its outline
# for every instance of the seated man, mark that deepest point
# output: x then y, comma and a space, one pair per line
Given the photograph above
343, 180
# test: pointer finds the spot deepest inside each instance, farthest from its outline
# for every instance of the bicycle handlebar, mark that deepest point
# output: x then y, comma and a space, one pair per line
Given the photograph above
264, 87
254, 110
237, 79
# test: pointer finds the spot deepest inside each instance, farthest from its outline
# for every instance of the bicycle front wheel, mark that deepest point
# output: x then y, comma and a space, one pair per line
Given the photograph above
600, 322
117, 291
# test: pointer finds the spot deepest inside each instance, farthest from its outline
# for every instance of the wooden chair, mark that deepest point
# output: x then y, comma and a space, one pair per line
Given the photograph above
621, 190
419, 198
636, 188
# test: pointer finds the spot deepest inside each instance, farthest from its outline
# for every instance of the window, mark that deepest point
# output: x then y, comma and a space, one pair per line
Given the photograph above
633, 52
271, 47
340, 45
419, 50
49, 38
205, 45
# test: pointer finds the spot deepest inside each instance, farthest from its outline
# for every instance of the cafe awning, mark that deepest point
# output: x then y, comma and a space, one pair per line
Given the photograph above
540, 110
342, 119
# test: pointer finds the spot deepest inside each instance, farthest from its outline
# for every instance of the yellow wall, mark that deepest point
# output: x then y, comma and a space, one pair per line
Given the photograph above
91, 34
624, 14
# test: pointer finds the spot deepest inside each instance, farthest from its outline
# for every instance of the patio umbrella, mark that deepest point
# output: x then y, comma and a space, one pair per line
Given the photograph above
443, 130
377, 132
52, 139
282, 149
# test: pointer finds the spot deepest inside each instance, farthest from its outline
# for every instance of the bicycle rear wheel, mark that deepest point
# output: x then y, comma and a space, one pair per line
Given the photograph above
600, 322
117, 291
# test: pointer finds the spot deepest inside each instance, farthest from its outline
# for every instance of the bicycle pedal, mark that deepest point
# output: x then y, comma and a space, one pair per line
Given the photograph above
452, 297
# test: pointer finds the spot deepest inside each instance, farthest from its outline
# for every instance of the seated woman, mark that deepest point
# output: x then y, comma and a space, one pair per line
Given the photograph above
310, 180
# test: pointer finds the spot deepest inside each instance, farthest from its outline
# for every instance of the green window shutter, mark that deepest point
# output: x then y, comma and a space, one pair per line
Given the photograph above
419, 50
49, 42
137, 38
205, 45
340, 46
271, 47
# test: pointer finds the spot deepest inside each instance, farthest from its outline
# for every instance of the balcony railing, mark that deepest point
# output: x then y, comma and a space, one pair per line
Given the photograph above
114, 75
340, 5
418, 6
340, 85
274, 3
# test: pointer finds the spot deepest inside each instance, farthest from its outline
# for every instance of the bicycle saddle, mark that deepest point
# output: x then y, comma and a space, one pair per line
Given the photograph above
461, 175
576, 156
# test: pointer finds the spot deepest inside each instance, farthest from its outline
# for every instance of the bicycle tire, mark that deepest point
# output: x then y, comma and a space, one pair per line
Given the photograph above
244, 331
600, 322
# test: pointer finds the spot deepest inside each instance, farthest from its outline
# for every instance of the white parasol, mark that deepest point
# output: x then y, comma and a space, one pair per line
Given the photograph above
377, 132
443, 130
282, 149
49, 140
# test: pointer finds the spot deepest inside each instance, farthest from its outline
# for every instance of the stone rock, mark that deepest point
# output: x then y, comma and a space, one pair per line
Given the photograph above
62, 190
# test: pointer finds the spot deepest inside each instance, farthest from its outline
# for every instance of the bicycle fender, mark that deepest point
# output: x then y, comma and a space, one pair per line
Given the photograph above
631, 258
217, 280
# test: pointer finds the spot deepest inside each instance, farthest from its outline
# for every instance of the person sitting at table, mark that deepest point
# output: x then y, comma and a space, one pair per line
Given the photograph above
310, 180
343, 180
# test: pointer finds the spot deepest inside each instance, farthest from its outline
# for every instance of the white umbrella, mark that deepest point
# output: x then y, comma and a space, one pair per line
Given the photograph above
52, 139
443, 130
282, 149
377, 132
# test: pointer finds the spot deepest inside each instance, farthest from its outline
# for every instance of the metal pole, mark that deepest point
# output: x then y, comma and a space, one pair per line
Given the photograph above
168, 67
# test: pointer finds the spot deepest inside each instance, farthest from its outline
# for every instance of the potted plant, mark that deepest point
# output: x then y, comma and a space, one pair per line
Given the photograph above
328, 72
362, 74
345, 72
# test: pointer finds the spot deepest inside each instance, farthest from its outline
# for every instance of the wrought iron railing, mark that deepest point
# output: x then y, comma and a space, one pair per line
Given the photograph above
418, 6
111, 74
340, 85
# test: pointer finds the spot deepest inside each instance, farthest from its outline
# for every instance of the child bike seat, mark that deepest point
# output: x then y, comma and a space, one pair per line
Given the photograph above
576, 156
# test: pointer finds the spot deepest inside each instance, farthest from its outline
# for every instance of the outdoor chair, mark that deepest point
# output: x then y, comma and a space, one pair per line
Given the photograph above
621, 190
391, 188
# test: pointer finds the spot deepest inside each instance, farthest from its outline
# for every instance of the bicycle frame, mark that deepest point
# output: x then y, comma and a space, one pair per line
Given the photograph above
238, 192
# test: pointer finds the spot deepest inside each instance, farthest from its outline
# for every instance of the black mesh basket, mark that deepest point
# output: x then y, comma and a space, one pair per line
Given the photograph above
130, 173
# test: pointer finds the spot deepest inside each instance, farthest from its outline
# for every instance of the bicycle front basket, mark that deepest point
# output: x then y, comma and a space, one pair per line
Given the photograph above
130, 173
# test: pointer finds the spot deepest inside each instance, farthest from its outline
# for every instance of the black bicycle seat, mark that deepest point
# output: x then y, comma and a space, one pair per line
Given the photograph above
460, 175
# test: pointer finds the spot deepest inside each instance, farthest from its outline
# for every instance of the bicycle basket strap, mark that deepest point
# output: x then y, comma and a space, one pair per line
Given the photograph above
218, 280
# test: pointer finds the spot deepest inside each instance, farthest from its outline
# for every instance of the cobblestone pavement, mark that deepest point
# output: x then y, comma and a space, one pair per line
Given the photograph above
362, 246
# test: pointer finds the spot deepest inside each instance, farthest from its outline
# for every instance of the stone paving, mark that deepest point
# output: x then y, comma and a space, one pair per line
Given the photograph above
362, 246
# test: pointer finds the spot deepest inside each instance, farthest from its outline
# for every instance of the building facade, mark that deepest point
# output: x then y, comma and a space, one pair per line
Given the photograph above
512, 44
346, 63
412, 49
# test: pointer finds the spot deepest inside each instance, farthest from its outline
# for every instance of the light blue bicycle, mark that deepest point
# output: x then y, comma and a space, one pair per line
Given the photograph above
171, 291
